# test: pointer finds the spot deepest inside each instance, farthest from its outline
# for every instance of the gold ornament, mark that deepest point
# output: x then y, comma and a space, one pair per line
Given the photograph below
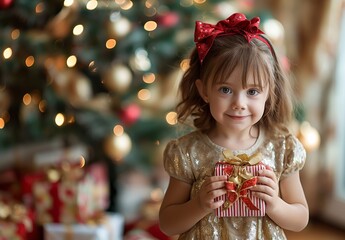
119, 27
72, 85
61, 25
80, 90
117, 78
117, 147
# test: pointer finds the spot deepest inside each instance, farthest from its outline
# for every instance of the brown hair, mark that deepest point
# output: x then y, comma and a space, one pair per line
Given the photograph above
226, 53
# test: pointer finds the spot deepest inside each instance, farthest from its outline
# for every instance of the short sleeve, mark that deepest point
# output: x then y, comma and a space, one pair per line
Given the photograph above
295, 156
177, 163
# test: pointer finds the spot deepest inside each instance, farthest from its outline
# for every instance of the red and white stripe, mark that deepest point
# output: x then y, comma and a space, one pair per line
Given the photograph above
239, 208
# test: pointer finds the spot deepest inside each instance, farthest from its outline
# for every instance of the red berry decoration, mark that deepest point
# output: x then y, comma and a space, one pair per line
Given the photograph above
5, 4
130, 114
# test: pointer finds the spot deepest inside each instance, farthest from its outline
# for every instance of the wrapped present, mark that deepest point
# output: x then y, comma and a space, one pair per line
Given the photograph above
16, 222
98, 175
67, 194
9, 182
242, 172
107, 227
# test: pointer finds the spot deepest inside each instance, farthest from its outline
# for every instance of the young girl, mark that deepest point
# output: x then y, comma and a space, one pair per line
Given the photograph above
239, 99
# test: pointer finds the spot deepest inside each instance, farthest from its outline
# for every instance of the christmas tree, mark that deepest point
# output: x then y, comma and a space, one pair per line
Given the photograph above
103, 73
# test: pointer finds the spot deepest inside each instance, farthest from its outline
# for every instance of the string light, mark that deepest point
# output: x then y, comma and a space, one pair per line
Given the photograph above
150, 26
149, 4
59, 119
68, 3
91, 5
27, 99
126, 5
92, 66
29, 61
144, 94
149, 78
7, 53
15, 34
184, 65
6, 116
71, 61
110, 43
171, 118
78, 29
118, 130
82, 161
39, 7
42, 106
2, 123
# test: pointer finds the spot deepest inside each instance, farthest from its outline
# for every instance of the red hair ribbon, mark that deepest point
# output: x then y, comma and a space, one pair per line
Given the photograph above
237, 23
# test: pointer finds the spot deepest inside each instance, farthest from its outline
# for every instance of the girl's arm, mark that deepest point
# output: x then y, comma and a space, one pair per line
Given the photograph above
179, 213
290, 210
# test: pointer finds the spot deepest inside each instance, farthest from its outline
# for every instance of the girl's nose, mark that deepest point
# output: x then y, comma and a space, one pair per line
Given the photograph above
238, 103
235, 107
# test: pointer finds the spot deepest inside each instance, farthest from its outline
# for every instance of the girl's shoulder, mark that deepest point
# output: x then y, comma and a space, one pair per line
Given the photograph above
283, 137
286, 142
284, 153
191, 141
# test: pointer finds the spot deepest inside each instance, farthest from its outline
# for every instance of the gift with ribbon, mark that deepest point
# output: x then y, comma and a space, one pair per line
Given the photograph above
16, 221
70, 193
241, 171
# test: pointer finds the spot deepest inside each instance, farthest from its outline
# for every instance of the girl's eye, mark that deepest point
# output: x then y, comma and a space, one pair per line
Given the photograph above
225, 90
253, 92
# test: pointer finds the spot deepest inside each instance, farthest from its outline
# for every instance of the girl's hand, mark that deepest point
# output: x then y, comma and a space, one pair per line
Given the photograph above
267, 188
211, 188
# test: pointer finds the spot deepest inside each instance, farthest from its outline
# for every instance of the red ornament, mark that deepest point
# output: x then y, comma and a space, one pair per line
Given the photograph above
169, 19
5, 4
130, 114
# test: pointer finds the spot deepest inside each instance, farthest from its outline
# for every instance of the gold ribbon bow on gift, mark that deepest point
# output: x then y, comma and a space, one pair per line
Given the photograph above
239, 179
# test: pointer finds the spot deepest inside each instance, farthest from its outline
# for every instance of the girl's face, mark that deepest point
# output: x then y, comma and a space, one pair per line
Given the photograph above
235, 108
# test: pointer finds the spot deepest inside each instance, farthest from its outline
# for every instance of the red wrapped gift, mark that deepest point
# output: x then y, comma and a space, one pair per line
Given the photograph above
242, 172
67, 195
16, 222
9, 183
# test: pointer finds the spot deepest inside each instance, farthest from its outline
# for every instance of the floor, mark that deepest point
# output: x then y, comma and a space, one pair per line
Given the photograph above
318, 230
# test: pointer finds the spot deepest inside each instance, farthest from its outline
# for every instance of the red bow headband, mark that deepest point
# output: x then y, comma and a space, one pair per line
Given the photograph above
237, 23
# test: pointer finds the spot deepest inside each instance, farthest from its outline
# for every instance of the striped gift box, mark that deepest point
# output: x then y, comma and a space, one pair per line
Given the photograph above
239, 207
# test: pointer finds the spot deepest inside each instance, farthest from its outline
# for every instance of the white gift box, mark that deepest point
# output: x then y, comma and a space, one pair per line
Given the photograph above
111, 229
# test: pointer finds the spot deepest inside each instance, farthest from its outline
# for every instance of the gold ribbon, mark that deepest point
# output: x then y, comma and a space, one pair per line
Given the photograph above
241, 159
239, 175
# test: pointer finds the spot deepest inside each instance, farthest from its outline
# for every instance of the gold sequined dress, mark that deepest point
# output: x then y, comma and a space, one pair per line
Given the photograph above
192, 157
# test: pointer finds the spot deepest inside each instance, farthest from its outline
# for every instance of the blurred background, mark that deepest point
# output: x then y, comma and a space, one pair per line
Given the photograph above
87, 96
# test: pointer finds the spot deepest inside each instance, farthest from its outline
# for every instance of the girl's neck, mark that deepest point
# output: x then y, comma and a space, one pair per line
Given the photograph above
234, 140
